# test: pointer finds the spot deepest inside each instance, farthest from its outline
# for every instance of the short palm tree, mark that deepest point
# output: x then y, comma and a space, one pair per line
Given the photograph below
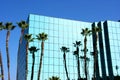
54, 78
32, 50
85, 32
41, 37
76, 53
23, 25
8, 26
95, 31
65, 50
28, 38
1, 66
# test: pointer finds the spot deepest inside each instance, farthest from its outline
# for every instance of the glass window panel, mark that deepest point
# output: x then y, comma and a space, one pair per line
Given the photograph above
46, 25
31, 23
31, 17
46, 54
36, 18
56, 40
47, 19
55, 33
42, 18
55, 20
36, 25
51, 20
56, 27
51, 26
42, 25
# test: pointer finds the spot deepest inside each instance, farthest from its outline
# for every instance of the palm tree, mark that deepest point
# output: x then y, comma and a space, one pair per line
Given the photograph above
8, 27
41, 37
28, 38
85, 32
1, 65
65, 50
32, 50
76, 53
23, 25
95, 31
54, 78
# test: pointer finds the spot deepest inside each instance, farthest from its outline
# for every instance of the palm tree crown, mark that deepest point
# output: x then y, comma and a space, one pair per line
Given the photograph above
33, 49
28, 37
42, 36
54, 78
86, 32
9, 26
23, 24
96, 29
64, 49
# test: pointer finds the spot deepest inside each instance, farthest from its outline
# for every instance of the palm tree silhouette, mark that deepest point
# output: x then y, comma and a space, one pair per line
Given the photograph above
23, 25
32, 50
1, 65
8, 27
95, 30
76, 53
41, 37
65, 50
85, 32
28, 38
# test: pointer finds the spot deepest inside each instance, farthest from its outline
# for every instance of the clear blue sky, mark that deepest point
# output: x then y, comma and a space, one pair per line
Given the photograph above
83, 10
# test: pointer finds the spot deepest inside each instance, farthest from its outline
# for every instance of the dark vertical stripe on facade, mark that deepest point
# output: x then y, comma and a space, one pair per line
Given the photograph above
97, 63
101, 48
108, 52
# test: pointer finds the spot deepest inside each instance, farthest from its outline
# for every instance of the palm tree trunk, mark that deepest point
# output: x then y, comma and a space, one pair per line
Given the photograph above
27, 44
7, 53
78, 63
1, 65
32, 73
85, 51
41, 56
64, 57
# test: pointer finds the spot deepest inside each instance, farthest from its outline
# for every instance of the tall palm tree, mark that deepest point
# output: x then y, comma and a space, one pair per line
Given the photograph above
32, 50
65, 50
76, 53
41, 37
54, 78
28, 38
1, 65
8, 26
85, 32
95, 31
23, 25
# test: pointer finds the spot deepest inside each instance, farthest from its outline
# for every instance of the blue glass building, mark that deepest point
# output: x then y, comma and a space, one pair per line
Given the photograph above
64, 32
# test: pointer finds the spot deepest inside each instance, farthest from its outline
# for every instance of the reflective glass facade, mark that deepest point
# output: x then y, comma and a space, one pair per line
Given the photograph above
64, 32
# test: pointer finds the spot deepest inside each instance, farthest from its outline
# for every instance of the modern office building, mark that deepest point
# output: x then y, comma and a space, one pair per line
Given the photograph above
64, 32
